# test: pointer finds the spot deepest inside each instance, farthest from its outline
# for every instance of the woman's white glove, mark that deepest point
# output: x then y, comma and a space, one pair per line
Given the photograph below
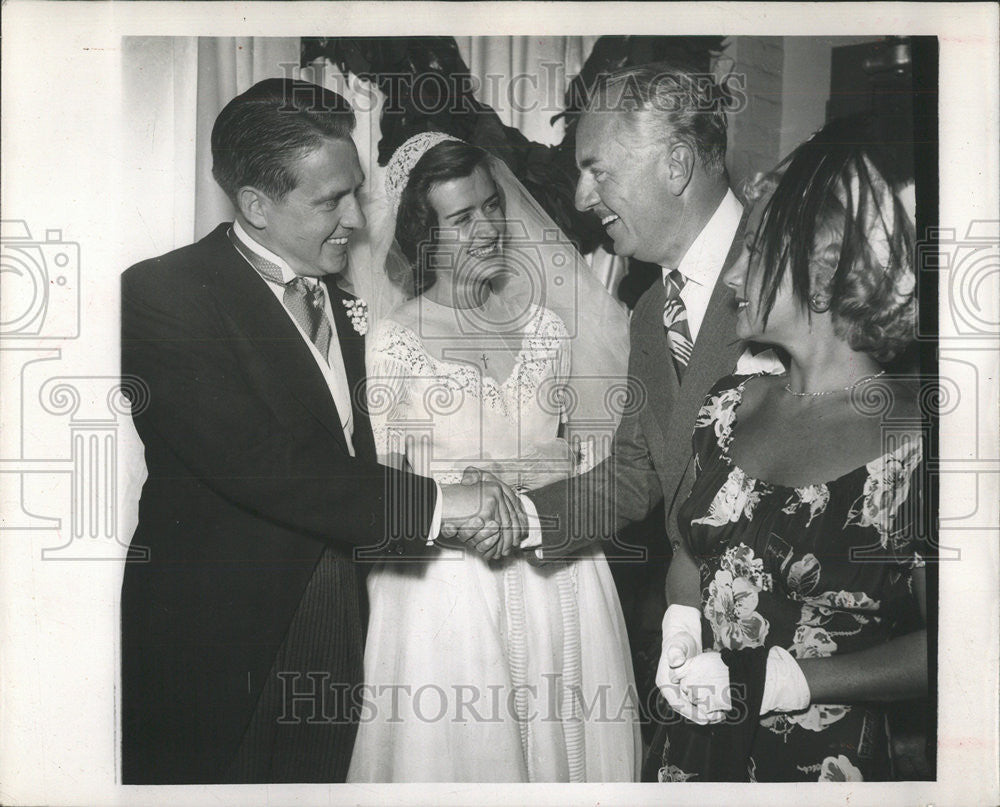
702, 692
699, 688
681, 644
681, 629
785, 687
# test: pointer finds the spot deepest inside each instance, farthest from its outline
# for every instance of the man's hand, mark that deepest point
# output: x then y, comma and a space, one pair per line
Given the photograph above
484, 514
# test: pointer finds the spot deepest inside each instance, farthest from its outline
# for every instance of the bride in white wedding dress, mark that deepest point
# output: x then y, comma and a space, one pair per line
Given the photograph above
500, 357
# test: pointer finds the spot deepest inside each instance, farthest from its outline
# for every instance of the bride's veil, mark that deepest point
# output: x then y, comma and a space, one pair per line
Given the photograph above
543, 269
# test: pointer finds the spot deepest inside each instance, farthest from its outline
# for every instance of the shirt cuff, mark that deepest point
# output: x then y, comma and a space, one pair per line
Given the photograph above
534, 539
764, 362
436, 518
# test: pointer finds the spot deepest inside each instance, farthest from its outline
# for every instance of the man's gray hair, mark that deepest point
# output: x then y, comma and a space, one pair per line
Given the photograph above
664, 104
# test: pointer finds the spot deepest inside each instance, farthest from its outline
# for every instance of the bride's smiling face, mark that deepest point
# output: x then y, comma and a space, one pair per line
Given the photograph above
471, 218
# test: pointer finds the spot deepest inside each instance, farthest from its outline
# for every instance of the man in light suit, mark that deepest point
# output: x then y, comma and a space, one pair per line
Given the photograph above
651, 147
242, 636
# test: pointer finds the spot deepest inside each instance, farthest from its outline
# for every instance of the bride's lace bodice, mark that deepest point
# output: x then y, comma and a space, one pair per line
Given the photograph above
445, 415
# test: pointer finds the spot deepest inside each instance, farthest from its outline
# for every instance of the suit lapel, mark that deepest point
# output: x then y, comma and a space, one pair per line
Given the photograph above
661, 377
258, 315
715, 353
352, 348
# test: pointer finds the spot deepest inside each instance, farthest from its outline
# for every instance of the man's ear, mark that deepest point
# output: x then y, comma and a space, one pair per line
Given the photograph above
678, 165
253, 204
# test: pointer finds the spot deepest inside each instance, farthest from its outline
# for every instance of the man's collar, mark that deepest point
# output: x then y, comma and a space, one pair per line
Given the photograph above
703, 260
256, 247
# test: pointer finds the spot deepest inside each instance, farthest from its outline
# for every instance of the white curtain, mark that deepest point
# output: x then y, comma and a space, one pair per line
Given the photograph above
524, 78
228, 66
174, 87
160, 86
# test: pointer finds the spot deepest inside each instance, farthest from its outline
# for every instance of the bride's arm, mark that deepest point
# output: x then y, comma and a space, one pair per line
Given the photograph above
388, 397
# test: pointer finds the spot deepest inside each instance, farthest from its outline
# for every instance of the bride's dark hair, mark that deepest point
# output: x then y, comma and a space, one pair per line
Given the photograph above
417, 224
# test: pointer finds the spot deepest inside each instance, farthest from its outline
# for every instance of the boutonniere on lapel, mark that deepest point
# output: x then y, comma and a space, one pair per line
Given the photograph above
357, 310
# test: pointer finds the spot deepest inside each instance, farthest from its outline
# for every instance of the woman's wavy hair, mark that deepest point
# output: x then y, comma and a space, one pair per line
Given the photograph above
417, 226
844, 181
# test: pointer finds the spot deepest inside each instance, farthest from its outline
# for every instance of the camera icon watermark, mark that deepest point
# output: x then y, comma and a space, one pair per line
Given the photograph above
969, 282
41, 284
64, 429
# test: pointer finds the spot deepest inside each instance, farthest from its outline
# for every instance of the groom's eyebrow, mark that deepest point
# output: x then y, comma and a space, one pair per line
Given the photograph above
336, 197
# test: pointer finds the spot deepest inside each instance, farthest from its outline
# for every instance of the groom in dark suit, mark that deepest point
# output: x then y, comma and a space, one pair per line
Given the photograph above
242, 635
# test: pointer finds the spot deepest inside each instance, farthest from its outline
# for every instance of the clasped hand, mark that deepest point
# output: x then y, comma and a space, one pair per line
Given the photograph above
699, 688
483, 514
695, 684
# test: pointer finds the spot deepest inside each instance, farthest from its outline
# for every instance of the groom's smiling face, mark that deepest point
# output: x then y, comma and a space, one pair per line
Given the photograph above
311, 225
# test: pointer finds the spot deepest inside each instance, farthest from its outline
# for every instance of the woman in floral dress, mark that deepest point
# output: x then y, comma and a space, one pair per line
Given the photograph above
805, 519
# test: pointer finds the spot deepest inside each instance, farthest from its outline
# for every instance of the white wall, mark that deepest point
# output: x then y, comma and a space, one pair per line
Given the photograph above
806, 85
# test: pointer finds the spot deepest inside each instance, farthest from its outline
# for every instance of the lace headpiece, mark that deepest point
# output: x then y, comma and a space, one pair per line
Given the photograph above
397, 173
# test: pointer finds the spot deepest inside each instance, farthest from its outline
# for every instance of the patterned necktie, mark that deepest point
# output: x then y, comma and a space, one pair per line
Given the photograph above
675, 322
304, 301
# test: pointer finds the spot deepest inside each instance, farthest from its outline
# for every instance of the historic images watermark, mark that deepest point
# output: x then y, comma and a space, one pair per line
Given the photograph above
312, 697
542, 92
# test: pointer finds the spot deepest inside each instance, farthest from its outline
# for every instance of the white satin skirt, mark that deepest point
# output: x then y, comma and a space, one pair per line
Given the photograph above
498, 671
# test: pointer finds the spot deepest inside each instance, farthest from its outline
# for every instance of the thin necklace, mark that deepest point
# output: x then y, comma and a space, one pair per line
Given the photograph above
857, 383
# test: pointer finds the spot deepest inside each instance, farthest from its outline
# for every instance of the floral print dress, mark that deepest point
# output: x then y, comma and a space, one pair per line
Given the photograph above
819, 570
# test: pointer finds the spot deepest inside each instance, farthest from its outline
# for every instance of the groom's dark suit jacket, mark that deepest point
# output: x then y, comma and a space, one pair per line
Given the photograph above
651, 460
249, 483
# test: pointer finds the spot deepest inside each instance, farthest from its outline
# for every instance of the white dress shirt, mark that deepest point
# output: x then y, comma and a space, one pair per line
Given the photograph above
701, 266
331, 365
702, 263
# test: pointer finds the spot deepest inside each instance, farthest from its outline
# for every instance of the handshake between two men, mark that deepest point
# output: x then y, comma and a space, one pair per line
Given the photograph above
483, 514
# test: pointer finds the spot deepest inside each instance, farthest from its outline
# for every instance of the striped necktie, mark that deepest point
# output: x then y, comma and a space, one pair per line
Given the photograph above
305, 301
675, 322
